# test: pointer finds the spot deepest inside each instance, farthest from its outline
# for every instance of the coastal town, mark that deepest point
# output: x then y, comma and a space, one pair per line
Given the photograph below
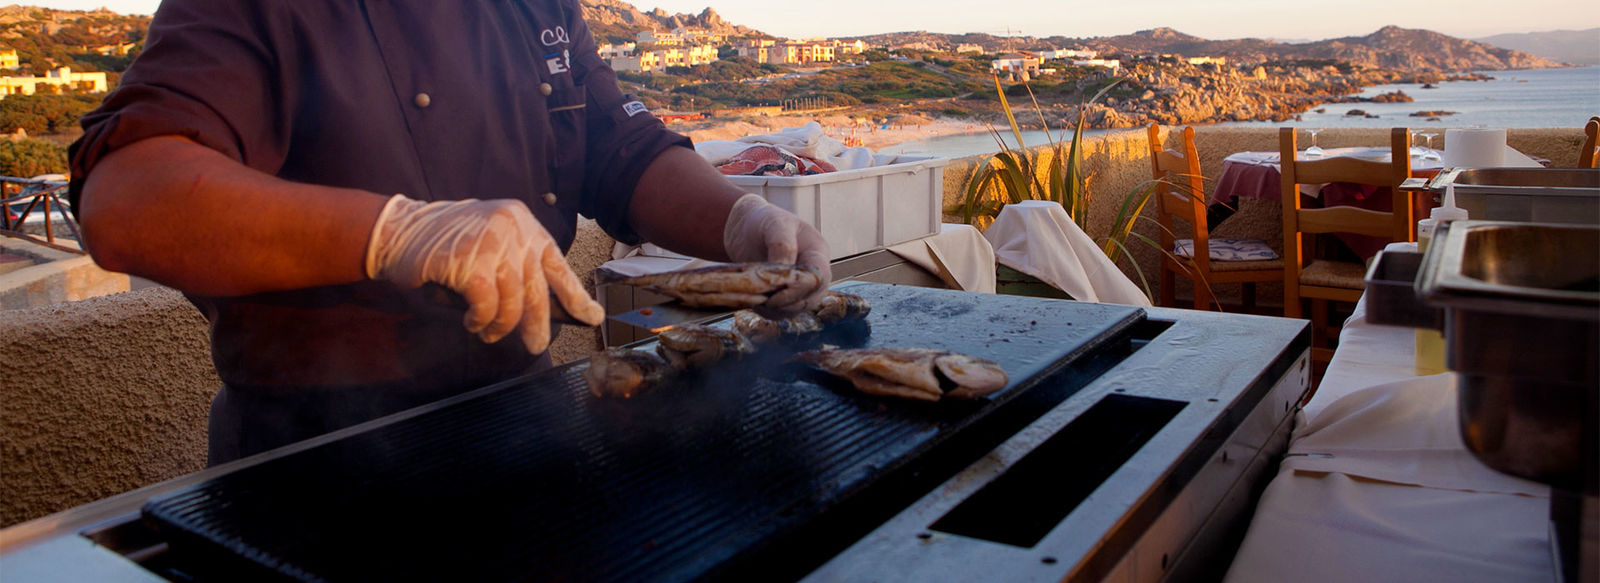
714, 79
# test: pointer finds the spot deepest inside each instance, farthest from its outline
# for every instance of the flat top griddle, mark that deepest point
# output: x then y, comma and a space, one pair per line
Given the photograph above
535, 479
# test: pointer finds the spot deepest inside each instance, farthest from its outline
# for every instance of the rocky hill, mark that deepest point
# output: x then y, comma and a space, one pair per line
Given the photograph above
1578, 47
1391, 47
617, 21
46, 38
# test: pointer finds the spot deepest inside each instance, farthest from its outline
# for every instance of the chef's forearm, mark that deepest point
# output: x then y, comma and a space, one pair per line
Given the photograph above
181, 214
682, 203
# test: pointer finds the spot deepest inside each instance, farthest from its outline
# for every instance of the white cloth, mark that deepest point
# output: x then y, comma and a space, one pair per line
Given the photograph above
1038, 238
959, 255
1336, 528
632, 261
1404, 432
1400, 498
808, 140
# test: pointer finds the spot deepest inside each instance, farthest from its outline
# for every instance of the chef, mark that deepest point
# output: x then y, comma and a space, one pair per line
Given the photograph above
328, 180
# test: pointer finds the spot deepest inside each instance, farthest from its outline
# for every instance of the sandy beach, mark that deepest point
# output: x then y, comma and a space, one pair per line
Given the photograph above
853, 130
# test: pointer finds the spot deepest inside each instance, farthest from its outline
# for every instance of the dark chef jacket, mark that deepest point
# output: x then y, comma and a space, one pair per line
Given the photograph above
436, 99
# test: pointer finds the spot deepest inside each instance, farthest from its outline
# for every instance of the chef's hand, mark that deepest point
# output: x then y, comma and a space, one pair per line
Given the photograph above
759, 231
492, 252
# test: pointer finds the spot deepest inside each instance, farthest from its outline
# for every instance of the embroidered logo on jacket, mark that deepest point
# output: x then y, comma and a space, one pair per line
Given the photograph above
558, 62
554, 36
633, 108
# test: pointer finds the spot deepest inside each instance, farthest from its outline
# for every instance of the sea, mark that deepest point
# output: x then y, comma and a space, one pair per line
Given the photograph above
1534, 98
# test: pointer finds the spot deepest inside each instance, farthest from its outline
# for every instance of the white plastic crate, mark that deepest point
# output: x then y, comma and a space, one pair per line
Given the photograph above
863, 209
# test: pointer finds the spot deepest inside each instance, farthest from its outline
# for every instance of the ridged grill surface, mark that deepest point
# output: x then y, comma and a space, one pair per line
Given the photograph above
541, 481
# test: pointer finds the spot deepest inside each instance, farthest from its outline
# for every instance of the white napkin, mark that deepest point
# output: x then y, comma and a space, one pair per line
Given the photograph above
1038, 238
959, 255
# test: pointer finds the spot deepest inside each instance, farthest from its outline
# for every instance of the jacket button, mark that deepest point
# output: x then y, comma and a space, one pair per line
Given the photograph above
546, 89
550, 198
422, 100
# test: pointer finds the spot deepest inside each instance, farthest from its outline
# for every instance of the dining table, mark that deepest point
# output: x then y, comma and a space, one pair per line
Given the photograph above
1377, 484
1258, 175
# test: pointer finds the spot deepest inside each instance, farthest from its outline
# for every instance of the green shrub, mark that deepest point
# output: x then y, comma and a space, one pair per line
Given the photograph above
44, 114
27, 157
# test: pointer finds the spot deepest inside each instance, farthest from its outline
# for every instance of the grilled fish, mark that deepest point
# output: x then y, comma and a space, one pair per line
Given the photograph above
691, 346
760, 329
620, 372
914, 373
837, 306
732, 285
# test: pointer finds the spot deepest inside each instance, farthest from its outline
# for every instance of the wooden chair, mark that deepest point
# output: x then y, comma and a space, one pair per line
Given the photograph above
1322, 280
1180, 194
1589, 155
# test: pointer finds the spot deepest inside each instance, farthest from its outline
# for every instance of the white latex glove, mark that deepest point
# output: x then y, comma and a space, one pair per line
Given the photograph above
492, 252
760, 231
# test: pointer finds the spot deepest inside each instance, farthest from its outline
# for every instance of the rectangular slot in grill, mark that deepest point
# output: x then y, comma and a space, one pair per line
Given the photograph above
1023, 504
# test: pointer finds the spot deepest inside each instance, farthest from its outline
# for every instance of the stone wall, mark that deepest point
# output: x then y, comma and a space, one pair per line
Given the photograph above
99, 397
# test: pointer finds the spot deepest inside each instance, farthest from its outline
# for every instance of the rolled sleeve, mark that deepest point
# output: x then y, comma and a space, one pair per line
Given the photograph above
623, 139
204, 75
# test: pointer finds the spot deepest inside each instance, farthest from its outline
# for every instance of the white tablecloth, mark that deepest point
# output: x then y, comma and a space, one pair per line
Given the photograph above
1038, 238
1513, 158
1377, 485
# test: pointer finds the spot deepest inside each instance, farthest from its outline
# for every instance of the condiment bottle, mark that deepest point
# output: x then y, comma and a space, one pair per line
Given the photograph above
1429, 354
1446, 212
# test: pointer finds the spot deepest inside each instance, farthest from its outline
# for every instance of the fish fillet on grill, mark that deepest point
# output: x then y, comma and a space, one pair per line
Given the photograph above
761, 329
691, 346
733, 285
620, 372
923, 374
835, 307
839, 306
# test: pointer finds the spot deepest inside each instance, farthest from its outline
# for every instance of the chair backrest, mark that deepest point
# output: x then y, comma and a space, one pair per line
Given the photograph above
1587, 156
1395, 225
1179, 189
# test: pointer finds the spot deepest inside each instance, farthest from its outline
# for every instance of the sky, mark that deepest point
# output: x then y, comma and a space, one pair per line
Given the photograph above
1292, 20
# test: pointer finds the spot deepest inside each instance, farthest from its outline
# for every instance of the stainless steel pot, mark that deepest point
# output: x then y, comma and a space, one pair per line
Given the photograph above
1522, 328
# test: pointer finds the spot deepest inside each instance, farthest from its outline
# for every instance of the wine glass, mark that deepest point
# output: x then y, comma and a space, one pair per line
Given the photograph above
1417, 150
1427, 140
1314, 150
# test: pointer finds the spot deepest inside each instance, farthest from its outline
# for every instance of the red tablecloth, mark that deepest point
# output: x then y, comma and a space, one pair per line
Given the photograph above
1256, 175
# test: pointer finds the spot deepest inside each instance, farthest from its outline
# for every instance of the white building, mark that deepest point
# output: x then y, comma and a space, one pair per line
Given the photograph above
1015, 63
62, 78
610, 51
854, 47
1067, 54
635, 61
1112, 64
